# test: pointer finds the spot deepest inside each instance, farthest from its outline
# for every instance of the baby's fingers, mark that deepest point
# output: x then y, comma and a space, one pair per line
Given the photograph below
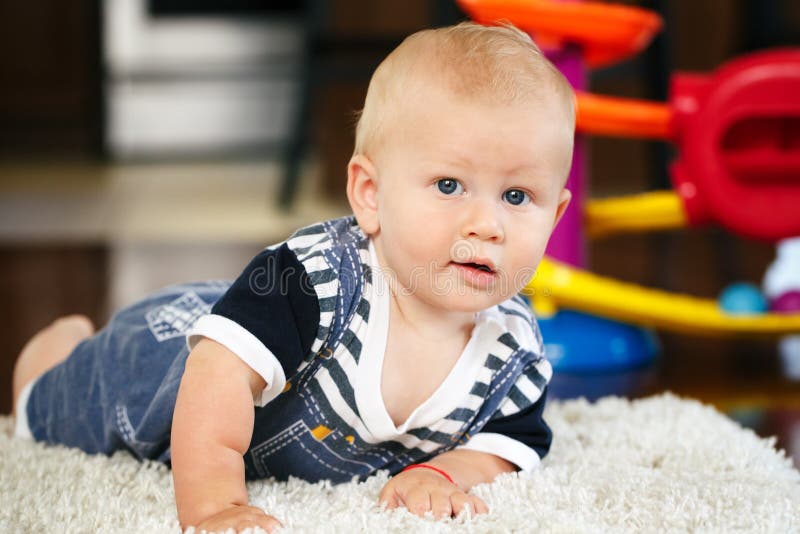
441, 505
389, 497
478, 504
460, 500
418, 501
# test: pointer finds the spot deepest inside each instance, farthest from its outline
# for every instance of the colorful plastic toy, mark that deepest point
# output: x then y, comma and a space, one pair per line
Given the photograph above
557, 285
604, 346
738, 134
621, 352
788, 302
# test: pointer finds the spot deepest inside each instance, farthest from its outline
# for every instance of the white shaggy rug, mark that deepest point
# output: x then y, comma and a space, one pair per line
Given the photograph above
660, 464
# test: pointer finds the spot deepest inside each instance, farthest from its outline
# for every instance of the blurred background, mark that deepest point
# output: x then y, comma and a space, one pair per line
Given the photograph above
146, 142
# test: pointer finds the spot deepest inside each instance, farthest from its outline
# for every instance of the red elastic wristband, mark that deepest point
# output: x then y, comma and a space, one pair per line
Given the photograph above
432, 468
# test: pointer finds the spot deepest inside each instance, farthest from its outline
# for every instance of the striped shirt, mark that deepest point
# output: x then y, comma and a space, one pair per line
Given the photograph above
310, 317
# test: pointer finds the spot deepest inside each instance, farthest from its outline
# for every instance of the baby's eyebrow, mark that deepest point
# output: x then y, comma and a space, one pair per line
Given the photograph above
454, 155
524, 169
528, 175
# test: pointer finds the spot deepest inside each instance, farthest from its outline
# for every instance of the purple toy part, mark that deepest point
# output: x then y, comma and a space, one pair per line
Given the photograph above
788, 302
567, 244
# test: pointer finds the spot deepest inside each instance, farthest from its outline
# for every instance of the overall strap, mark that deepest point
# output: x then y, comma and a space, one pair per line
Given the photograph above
337, 271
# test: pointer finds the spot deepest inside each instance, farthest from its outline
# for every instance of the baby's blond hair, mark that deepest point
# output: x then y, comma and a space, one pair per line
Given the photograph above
500, 64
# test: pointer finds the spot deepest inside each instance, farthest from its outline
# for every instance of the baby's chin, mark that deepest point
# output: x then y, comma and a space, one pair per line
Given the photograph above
472, 303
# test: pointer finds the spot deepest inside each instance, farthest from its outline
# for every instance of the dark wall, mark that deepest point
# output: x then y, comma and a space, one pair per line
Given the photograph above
50, 101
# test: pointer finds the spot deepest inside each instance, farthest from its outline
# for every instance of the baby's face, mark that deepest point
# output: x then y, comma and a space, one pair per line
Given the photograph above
468, 195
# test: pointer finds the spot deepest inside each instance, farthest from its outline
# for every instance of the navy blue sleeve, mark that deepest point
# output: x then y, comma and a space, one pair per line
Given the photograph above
275, 301
526, 426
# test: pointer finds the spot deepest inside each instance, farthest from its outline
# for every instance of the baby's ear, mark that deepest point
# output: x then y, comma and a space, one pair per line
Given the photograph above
563, 201
362, 193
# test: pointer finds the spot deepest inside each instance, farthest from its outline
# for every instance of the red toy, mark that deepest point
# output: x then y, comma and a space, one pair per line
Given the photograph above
739, 135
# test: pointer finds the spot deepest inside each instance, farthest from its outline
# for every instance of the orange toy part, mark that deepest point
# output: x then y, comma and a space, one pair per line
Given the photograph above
607, 33
626, 117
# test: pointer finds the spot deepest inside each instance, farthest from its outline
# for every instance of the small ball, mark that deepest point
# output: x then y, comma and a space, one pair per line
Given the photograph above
743, 299
788, 302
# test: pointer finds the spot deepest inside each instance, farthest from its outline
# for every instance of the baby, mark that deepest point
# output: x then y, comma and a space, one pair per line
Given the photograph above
392, 340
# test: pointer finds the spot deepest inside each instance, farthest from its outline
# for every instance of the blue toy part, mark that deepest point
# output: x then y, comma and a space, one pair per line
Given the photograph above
743, 298
594, 357
580, 343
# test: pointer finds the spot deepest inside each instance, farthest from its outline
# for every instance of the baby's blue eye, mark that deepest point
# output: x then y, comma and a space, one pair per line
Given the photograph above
515, 197
449, 186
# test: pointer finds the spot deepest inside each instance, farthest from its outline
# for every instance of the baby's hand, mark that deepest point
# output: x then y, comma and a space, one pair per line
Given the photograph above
238, 518
423, 490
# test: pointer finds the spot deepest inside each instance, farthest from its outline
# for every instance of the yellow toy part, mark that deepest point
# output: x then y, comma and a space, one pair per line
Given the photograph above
657, 210
558, 285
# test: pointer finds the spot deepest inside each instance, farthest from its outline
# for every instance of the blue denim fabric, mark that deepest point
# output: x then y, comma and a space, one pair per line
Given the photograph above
117, 389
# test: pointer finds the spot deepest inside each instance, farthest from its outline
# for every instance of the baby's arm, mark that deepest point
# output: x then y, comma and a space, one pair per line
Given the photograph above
211, 430
422, 490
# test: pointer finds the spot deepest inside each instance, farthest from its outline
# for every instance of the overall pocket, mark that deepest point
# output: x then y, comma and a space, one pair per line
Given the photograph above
312, 454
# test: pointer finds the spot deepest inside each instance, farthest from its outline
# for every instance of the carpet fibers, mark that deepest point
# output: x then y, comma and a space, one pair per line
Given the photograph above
660, 464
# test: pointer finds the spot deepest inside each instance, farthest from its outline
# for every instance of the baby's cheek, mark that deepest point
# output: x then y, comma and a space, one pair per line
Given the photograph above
524, 270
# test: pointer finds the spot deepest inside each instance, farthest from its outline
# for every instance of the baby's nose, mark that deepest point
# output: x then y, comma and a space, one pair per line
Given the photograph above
483, 222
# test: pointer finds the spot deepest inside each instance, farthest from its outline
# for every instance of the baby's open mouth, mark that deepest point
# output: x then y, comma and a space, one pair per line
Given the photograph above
478, 266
